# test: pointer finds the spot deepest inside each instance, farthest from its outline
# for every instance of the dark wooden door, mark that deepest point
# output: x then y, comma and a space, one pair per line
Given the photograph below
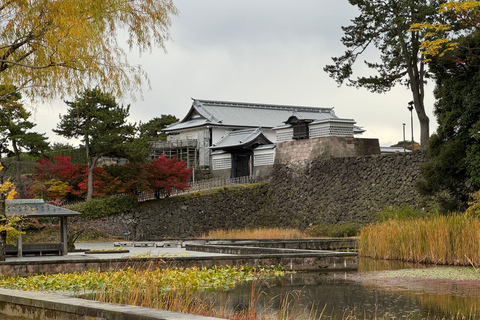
241, 165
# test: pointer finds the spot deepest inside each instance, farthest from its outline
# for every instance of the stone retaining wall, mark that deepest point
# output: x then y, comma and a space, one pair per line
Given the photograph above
311, 261
324, 147
297, 195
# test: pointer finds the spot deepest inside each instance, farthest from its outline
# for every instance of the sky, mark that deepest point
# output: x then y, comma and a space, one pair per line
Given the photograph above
259, 51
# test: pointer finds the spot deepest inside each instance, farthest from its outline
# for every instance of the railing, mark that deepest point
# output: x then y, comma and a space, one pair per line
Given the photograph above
201, 185
174, 144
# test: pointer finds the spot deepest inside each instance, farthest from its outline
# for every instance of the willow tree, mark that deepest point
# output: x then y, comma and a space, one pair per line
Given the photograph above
386, 26
52, 48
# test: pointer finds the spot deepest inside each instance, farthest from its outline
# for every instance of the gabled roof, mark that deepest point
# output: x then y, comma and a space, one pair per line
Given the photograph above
241, 139
248, 115
36, 208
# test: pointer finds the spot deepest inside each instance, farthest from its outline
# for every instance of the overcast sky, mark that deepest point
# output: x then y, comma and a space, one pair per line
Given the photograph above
265, 51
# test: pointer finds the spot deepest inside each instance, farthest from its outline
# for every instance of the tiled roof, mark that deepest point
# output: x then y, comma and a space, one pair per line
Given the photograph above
238, 114
241, 138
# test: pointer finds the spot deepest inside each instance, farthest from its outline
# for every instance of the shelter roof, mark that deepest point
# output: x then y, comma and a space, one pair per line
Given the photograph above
241, 139
239, 114
36, 208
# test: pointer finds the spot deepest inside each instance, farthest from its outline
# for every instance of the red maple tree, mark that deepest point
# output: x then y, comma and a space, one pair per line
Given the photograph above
61, 179
166, 175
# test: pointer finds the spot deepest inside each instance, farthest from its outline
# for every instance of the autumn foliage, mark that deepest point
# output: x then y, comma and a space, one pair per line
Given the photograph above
61, 179
164, 175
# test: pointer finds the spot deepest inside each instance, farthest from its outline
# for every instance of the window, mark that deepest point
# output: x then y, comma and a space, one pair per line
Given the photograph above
300, 130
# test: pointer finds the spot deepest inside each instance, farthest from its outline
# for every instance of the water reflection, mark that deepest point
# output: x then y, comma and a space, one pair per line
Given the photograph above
343, 293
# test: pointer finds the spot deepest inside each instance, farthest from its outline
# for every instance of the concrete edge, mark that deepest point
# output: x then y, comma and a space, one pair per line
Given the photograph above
252, 250
316, 253
82, 307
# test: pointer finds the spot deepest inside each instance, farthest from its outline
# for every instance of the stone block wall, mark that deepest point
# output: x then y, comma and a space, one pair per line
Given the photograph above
298, 195
324, 148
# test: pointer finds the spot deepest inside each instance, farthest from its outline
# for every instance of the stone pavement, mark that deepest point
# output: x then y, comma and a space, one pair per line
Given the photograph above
140, 247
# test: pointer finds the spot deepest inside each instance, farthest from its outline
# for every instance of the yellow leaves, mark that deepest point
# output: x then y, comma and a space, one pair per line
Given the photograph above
7, 187
431, 28
436, 42
9, 222
11, 194
73, 42
457, 6
438, 47
58, 187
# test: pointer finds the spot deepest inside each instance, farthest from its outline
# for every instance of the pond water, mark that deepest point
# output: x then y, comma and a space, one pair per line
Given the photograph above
365, 294
340, 294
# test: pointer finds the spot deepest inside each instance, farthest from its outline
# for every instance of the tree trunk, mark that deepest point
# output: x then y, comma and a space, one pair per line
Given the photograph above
19, 184
3, 234
90, 180
416, 73
91, 167
424, 128
422, 117
418, 89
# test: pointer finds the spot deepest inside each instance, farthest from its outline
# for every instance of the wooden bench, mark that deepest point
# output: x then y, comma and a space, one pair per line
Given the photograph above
35, 249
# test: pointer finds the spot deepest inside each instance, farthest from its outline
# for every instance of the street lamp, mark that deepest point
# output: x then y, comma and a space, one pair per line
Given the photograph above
410, 107
404, 143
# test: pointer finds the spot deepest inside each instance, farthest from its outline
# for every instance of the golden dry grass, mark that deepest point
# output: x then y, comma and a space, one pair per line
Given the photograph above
259, 233
453, 240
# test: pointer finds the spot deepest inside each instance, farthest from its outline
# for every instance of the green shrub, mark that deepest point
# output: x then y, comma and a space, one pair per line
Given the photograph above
345, 229
102, 207
400, 213
474, 206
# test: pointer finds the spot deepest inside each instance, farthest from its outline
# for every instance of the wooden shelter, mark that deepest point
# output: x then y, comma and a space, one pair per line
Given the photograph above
37, 208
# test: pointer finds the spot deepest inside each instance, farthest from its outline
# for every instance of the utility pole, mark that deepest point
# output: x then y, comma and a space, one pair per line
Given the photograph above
410, 107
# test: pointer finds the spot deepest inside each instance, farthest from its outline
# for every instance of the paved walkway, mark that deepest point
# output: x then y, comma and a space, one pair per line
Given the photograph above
156, 248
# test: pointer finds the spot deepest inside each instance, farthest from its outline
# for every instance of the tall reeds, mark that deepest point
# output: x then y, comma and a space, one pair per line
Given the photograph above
257, 233
452, 240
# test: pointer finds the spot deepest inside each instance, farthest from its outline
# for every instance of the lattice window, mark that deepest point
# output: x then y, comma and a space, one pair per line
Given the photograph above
341, 131
324, 131
222, 163
263, 159
300, 131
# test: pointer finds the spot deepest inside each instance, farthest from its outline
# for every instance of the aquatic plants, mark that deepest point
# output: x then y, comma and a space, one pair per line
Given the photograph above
453, 239
174, 289
123, 280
